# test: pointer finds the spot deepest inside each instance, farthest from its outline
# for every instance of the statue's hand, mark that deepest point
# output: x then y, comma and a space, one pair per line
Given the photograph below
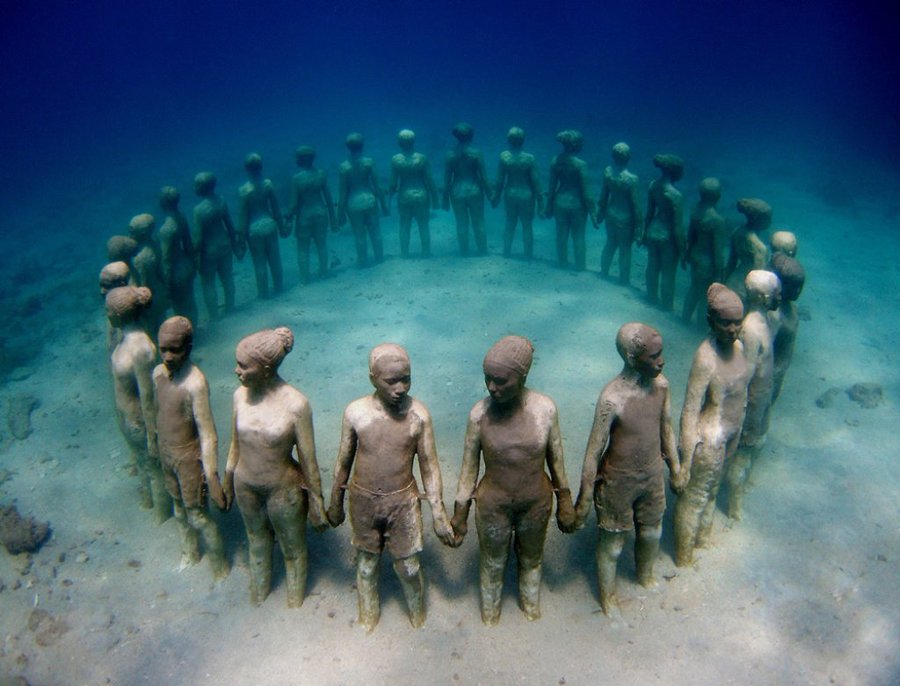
216, 492
228, 489
444, 531
317, 515
565, 511
335, 514
459, 522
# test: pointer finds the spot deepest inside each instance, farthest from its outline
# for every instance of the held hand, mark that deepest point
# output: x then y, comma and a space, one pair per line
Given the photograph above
565, 511
459, 522
216, 492
228, 489
444, 531
335, 514
317, 516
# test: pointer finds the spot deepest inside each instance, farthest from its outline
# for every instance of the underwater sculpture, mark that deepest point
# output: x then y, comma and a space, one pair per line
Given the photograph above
414, 187
178, 255
711, 420
274, 491
748, 252
568, 200
663, 232
465, 187
704, 250
188, 445
516, 431
620, 208
757, 336
381, 434
624, 473
216, 241
783, 242
518, 183
131, 363
359, 198
792, 276
121, 249
113, 275
312, 210
147, 269
260, 223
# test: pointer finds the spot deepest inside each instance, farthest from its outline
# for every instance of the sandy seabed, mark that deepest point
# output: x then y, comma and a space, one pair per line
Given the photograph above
802, 591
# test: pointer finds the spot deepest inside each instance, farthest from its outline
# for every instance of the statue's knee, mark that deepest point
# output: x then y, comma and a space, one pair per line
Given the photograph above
408, 568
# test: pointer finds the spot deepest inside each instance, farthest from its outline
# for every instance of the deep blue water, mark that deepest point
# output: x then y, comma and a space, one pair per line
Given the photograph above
104, 102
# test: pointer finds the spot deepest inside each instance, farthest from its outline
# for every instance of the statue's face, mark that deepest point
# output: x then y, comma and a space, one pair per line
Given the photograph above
252, 374
725, 326
392, 380
503, 384
649, 364
174, 351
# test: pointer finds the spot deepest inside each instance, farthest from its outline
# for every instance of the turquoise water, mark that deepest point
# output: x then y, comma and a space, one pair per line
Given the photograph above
786, 103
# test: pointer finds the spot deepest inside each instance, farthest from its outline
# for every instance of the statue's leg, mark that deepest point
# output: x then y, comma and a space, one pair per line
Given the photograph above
412, 581
367, 589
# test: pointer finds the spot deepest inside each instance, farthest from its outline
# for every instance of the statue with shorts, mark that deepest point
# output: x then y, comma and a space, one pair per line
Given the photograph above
260, 223
465, 187
131, 363
516, 432
568, 200
663, 233
312, 209
188, 445
620, 208
520, 187
381, 435
274, 490
711, 420
414, 187
624, 473
216, 241
705, 247
360, 198
757, 336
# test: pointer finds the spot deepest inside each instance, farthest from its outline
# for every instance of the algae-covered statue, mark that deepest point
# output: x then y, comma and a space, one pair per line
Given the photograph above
783, 242
274, 490
121, 249
178, 254
381, 435
414, 187
312, 209
705, 247
114, 275
792, 276
663, 232
624, 473
465, 187
516, 431
568, 200
711, 419
620, 208
360, 197
520, 187
748, 251
131, 362
757, 336
216, 241
147, 269
260, 223
188, 445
